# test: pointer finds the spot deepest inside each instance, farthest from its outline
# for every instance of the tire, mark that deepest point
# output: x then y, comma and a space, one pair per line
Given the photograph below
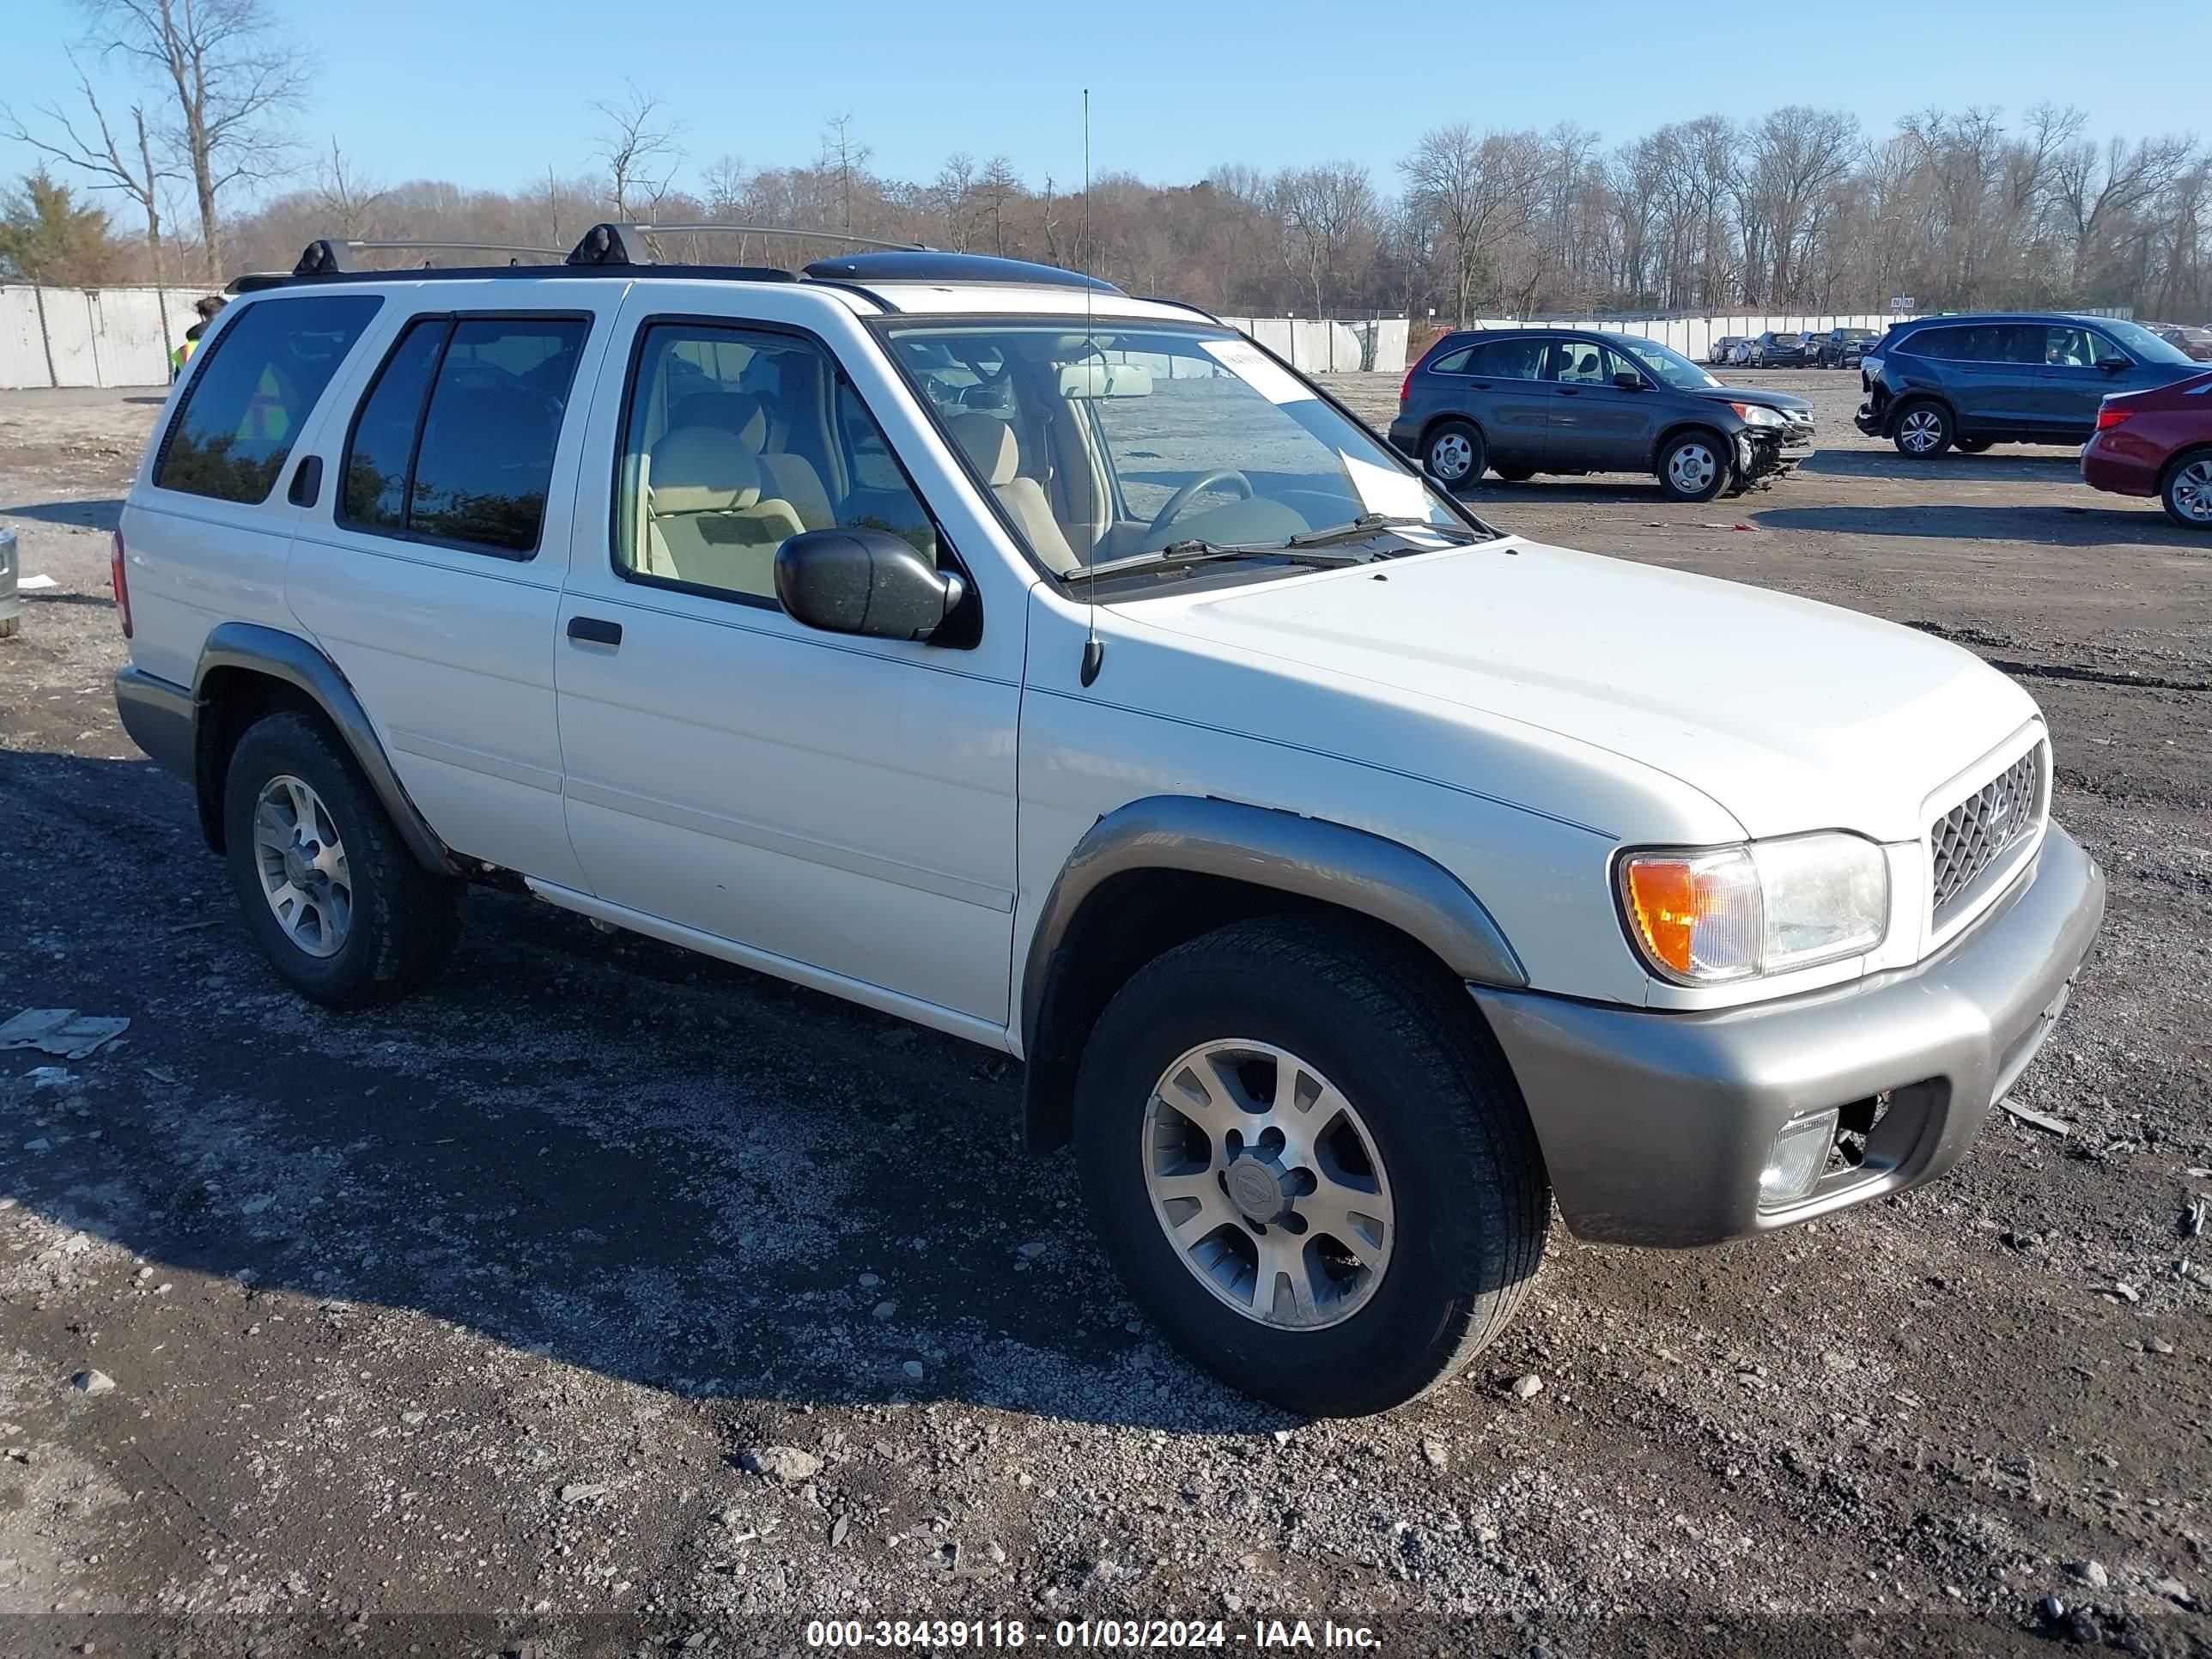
1695, 465
366, 923
1515, 474
1971, 445
2186, 490
1418, 1076
1454, 453
1923, 430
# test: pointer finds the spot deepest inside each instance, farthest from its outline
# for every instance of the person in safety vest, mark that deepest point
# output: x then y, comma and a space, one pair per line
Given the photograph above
207, 306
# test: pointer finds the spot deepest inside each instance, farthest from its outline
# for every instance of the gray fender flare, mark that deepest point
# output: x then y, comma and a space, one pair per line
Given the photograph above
281, 656
1262, 847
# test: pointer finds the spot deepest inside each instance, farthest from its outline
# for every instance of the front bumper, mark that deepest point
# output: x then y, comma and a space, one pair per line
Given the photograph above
1655, 1127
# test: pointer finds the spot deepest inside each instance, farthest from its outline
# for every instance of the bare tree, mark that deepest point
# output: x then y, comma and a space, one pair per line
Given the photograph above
233, 81
950, 196
1324, 211
1474, 189
995, 191
639, 145
137, 175
843, 156
345, 200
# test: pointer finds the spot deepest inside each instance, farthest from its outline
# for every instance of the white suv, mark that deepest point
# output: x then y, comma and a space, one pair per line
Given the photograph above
1059, 670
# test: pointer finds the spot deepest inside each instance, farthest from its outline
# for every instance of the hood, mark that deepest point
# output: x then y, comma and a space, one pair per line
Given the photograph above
1788, 714
1757, 394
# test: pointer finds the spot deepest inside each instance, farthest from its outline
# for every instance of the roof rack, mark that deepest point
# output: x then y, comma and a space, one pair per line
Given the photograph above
935, 266
323, 257
612, 244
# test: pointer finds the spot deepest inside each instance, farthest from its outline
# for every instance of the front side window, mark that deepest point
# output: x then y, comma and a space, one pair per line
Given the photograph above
249, 398
454, 442
1666, 365
1577, 362
736, 440
1129, 437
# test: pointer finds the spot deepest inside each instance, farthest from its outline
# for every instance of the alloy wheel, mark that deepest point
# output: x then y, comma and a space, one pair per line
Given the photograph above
1267, 1182
2190, 492
1922, 430
1450, 456
1692, 468
302, 864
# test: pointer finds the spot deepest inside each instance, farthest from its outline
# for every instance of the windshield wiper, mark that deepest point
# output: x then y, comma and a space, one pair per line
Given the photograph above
1367, 525
1176, 553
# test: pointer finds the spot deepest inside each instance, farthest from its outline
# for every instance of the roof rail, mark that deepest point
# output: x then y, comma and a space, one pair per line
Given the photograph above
935, 266
324, 256
612, 244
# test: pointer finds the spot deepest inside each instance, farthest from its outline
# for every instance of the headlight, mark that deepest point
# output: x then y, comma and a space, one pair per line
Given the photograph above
1702, 916
1759, 414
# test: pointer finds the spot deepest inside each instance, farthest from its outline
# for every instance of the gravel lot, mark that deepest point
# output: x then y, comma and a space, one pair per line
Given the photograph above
464, 1327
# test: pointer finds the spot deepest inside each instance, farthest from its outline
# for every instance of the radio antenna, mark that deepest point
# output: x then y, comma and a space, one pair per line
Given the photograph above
1094, 649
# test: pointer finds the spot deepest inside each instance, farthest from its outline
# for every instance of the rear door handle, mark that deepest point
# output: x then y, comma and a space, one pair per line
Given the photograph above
593, 630
306, 482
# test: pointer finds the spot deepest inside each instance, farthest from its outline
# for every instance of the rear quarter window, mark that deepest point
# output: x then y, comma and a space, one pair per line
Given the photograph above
1451, 362
259, 382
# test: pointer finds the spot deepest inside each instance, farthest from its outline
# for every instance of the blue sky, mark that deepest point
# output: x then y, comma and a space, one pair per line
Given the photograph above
489, 91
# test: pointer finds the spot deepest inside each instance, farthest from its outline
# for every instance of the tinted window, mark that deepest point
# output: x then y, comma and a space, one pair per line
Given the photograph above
483, 458
254, 390
1510, 360
383, 442
1452, 363
734, 443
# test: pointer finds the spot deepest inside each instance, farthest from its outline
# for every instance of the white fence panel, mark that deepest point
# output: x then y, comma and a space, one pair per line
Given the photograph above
22, 341
72, 345
131, 336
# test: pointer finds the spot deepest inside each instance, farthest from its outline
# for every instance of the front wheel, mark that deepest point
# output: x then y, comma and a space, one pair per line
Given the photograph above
2187, 495
1454, 454
1923, 431
1694, 466
1515, 474
1310, 1165
1970, 446
338, 903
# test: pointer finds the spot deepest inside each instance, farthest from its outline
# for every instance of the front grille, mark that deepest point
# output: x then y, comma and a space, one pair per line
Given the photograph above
1976, 833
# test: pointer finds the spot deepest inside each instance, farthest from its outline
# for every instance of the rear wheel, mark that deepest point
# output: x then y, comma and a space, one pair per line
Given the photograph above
1310, 1165
339, 906
1694, 466
1924, 430
1454, 453
2187, 494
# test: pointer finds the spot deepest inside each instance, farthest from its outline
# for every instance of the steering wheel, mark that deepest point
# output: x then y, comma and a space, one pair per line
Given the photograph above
1228, 475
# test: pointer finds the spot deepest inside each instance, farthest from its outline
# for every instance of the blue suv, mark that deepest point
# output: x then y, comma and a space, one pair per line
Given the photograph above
2017, 377
1518, 402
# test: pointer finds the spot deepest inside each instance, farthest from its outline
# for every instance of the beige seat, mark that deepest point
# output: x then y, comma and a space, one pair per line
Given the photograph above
708, 521
988, 444
788, 477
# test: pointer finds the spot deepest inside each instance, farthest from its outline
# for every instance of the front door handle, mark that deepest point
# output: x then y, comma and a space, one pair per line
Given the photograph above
1568, 392
594, 631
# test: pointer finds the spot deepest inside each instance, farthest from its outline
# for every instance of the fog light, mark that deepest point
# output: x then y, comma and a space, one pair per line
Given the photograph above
1800, 1152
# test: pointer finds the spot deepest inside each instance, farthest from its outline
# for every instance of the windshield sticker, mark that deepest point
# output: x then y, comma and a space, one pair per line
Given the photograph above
1258, 371
1397, 494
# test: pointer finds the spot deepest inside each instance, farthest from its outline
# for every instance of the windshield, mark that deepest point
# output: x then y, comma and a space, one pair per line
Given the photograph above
1128, 438
2144, 343
1785, 339
1666, 364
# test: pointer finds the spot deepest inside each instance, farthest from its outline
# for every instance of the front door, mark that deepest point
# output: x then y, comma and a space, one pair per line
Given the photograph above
841, 808
1597, 425
2071, 383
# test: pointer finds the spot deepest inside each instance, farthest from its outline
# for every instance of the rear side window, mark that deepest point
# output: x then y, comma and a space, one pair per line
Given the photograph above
255, 390
1509, 360
1452, 363
1930, 342
454, 442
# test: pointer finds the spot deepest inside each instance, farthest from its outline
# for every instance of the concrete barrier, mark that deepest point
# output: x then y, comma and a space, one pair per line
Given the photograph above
90, 337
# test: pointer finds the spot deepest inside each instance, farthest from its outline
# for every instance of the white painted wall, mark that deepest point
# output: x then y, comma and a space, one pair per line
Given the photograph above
78, 336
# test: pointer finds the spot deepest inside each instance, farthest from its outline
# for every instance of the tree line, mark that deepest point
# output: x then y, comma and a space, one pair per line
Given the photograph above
203, 176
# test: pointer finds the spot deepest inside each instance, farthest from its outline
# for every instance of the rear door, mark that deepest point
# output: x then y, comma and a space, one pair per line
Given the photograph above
1596, 426
429, 567
1507, 395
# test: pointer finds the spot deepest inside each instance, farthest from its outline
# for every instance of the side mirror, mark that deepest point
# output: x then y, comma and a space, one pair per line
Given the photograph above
2114, 365
1629, 380
864, 581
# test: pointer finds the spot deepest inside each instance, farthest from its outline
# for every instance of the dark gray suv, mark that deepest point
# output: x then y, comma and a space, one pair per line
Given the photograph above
2022, 377
1521, 402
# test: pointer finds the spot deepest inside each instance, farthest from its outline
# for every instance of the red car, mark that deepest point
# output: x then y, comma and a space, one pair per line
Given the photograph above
2157, 443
